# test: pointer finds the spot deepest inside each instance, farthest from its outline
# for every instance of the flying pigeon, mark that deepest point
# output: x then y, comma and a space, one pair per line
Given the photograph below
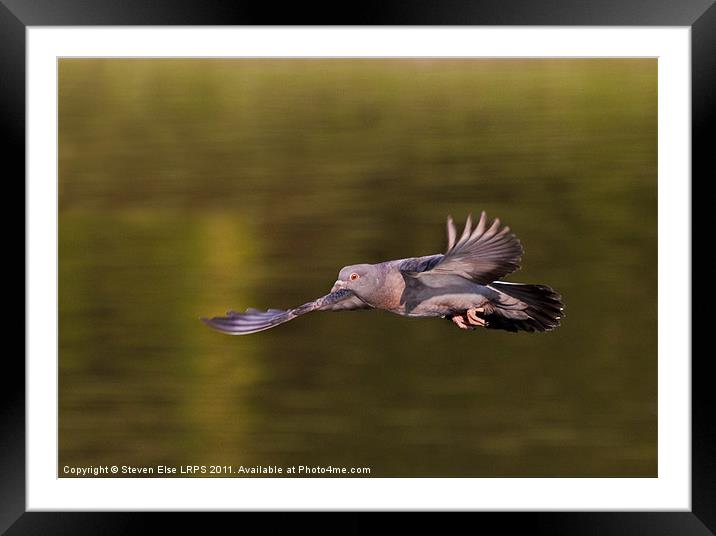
461, 285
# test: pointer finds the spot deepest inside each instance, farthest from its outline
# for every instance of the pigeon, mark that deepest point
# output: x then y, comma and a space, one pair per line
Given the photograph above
462, 285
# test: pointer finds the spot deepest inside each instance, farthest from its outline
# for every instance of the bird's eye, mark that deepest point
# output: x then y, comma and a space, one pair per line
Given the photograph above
354, 276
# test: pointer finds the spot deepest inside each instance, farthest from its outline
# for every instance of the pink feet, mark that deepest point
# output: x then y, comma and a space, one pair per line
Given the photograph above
474, 319
470, 319
460, 322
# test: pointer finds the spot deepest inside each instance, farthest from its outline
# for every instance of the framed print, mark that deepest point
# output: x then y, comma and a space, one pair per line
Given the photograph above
210, 163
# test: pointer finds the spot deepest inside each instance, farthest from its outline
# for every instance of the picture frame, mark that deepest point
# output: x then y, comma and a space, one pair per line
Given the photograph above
16, 16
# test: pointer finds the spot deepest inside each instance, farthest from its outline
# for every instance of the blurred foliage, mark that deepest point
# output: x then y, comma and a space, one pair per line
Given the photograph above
189, 187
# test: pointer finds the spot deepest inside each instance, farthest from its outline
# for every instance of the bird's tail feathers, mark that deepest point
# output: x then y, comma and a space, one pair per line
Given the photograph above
525, 307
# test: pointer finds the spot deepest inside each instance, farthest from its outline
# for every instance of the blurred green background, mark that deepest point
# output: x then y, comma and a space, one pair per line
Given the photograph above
190, 187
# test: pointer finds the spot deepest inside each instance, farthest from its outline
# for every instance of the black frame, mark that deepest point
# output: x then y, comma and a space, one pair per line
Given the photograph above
700, 15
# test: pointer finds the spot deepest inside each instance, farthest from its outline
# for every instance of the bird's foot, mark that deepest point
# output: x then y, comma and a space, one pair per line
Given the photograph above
459, 321
473, 319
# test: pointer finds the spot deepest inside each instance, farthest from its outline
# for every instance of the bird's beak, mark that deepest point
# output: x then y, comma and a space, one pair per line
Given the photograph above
338, 285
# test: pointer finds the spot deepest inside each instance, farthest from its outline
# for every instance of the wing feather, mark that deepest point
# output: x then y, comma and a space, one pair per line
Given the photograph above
452, 233
482, 254
253, 320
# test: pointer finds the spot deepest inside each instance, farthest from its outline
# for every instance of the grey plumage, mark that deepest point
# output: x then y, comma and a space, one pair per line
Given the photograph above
461, 285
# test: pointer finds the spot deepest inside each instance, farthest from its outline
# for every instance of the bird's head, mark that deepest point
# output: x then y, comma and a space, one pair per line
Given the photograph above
359, 278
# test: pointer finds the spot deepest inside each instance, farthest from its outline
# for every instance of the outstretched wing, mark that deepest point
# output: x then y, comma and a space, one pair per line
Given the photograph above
482, 254
254, 320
